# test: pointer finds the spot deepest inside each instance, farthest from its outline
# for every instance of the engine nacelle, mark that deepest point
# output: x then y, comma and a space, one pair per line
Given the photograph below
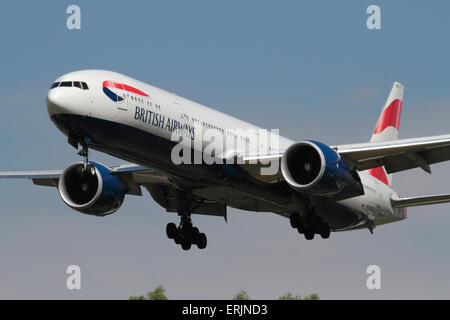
94, 191
314, 168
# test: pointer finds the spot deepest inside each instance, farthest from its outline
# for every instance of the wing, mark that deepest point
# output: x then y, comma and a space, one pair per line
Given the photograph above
44, 178
419, 201
395, 156
131, 174
398, 155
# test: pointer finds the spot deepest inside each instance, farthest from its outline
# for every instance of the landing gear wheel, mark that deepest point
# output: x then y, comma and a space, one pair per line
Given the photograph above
186, 244
293, 219
309, 234
324, 230
195, 232
171, 230
177, 239
201, 241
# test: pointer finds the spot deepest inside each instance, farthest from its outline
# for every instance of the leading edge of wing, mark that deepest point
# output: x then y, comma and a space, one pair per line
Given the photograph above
55, 174
398, 155
357, 151
42, 174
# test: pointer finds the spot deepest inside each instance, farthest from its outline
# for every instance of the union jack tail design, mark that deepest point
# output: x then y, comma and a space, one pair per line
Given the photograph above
387, 127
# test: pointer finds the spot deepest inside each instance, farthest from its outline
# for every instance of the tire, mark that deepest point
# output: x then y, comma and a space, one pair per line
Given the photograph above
202, 241
177, 239
309, 235
195, 231
171, 230
301, 229
293, 219
325, 231
186, 244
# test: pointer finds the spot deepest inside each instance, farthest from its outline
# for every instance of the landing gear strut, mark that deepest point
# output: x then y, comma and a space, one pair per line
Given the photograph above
84, 152
310, 225
186, 234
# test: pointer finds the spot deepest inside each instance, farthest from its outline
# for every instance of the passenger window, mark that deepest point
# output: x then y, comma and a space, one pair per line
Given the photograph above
85, 86
66, 84
77, 84
54, 85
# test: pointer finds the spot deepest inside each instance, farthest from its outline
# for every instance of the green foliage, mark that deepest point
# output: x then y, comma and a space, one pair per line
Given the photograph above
289, 296
313, 296
242, 295
160, 294
157, 294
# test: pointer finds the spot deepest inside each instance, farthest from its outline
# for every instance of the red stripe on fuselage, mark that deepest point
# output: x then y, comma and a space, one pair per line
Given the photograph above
390, 117
123, 87
380, 174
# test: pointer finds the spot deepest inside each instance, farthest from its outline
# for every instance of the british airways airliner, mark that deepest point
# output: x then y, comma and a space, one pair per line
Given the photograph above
319, 188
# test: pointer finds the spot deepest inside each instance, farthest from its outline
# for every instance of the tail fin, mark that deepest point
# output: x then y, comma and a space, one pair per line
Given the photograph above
387, 126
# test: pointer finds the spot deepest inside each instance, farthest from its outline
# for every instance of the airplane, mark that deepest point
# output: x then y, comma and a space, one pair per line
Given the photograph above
319, 188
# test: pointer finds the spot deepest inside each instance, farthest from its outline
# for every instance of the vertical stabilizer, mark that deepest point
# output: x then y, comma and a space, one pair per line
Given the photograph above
387, 126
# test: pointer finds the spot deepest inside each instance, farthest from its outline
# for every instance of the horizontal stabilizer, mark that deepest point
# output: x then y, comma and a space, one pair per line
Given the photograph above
419, 201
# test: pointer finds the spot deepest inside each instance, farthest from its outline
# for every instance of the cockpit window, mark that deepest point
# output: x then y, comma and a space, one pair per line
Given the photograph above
76, 84
66, 84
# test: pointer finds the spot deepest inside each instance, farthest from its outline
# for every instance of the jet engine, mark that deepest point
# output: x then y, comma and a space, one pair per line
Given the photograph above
314, 168
93, 190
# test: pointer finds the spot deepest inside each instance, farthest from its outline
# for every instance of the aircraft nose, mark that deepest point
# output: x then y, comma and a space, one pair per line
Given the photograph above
55, 102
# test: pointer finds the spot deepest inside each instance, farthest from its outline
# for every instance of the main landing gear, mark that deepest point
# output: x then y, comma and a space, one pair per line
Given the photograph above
310, 225
186, 234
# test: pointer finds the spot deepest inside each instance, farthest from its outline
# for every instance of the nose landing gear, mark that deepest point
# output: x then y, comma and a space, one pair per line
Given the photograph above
84, 152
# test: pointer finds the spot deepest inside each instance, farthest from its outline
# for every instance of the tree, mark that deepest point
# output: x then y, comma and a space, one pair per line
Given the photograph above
313, 296
289, 296
160, 294
157, 294
242, 295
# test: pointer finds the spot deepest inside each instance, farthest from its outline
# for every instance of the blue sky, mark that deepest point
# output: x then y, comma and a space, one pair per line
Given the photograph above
310, 68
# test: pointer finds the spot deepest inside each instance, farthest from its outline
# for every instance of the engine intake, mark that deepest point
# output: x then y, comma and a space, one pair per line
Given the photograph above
314, 168
95, 191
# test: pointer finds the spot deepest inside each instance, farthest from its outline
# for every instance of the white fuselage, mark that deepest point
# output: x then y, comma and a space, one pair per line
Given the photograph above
159, 112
